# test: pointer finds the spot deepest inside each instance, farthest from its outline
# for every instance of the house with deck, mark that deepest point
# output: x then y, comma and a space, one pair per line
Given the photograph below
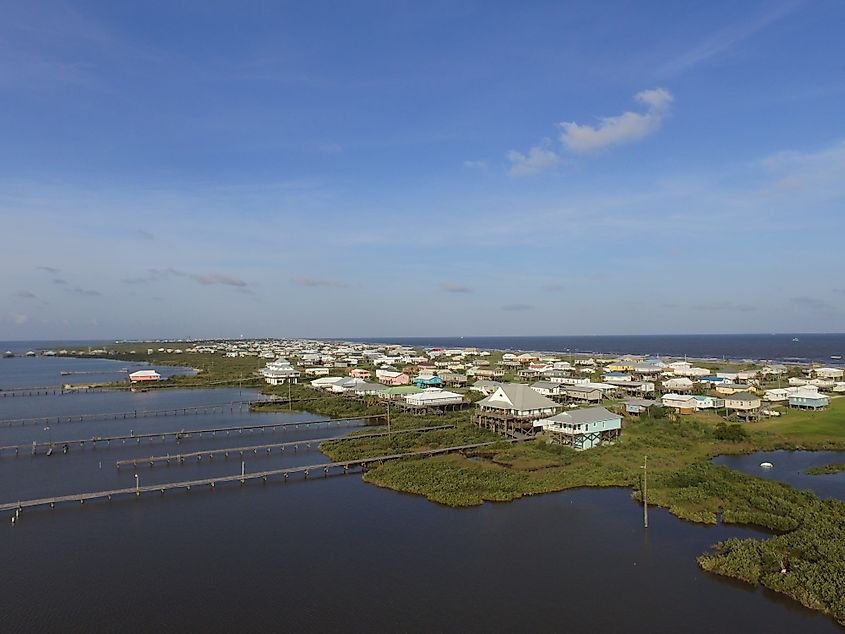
583, 393
512, 408
678, 384
424, 381
453, 379
829, 373
583, 428
392, 377
682, 403
743, 405
805, 398
728, 389
434, 399
547, 388
638, 406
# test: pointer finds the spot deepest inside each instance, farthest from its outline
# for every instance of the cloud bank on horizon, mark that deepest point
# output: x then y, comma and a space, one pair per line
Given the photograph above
376, 172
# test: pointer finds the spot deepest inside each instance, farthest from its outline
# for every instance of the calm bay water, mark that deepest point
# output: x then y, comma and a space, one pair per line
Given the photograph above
337, 553
789, 467
19, 372
778, 347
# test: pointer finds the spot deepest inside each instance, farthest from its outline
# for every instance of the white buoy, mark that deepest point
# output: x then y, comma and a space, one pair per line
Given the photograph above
766, 465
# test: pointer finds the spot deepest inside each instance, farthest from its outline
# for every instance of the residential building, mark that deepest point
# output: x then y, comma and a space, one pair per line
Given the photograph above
582, 428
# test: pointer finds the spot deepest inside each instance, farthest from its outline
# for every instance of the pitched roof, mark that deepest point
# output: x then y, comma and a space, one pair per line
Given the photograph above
744, 396
642, 402
521, 397
546, 385
584, 415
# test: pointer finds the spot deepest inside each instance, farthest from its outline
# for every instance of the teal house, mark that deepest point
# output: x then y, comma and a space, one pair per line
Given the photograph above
582, 428
428, 381
808, 399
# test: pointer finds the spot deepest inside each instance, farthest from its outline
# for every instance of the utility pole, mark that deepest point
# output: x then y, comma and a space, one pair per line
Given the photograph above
645, 491
388, 418
290, 402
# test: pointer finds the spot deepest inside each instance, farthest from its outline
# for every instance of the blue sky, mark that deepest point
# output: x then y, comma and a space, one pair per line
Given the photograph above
421, 168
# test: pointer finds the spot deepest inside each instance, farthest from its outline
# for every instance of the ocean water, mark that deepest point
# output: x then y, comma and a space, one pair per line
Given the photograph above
774, 347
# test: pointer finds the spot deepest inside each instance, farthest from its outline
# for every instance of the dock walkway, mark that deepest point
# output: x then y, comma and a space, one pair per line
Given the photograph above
206, 408
325, 468
182, 434
210, 453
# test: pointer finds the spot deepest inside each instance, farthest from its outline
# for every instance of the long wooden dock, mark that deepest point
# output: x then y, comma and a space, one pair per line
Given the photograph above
43, 390
182, 434
205, 408
308, 442
325, 468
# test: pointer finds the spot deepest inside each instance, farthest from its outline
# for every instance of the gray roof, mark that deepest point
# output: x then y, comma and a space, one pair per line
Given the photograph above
521, 396
642, 402
584, 415
370, 387
743, 396
546, 385
580, 388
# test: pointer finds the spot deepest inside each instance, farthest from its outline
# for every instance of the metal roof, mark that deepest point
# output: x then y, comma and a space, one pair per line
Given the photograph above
584, 415
521, 397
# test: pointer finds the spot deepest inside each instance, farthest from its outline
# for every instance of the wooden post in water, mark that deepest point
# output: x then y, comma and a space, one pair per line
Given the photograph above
645, 492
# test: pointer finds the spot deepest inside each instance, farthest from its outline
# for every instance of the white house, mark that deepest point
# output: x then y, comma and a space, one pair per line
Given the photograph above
547, 388
326, 382
280, 371
679, 384
517, 401
144, 375
684, 403
829, 373
434, 397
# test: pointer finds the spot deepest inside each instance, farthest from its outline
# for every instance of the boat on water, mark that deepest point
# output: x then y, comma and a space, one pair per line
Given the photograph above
8, 354
766, 465
795, 339
836, 357
30, 354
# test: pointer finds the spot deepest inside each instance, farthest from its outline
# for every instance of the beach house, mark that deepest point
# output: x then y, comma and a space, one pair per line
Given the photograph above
581, 428
512, 408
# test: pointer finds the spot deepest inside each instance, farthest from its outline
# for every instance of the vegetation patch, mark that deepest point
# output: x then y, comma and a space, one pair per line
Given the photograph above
826, 469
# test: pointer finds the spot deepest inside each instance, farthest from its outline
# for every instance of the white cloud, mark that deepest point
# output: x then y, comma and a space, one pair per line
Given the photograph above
725, 40
624, 128
819, 173
537, 159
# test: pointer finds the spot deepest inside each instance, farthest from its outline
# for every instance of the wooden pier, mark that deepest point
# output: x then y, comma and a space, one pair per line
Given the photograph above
240, 451
208, 408
325, 468
182, 434
48, 390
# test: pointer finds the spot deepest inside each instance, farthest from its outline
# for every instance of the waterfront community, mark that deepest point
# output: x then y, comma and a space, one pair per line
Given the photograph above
469, 425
